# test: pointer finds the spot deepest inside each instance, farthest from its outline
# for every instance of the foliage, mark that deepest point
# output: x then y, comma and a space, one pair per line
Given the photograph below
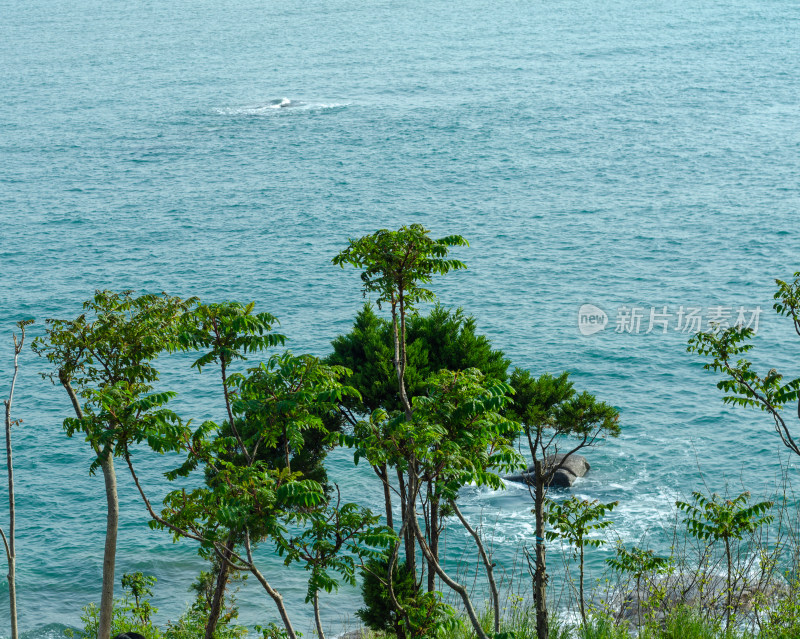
551, 405
192, 623
396, 264
107, 354
718, 519
428, 615
552, 414
573, 519
783, 619
742, 385
130, 614
638, 562
261, 497
140, 587
442, 339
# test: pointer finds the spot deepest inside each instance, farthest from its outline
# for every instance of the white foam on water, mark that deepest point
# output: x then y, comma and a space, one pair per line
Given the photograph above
278, 106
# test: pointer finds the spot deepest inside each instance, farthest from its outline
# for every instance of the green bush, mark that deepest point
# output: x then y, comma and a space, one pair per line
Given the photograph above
428, 616
130, 614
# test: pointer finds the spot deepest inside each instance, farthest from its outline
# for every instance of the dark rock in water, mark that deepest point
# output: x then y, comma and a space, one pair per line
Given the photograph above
568, 471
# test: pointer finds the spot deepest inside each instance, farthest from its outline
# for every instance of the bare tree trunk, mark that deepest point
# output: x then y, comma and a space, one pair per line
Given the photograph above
460, 590
729, 585
219, 589
10, 542
410, 507
317, 620
274, 594
433, 535
540, 574
112, 522
110, 552
583, 606
383, 473
486, 562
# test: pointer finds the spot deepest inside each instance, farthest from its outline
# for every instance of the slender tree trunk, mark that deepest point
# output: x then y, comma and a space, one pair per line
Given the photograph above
110, 551
460, 590
112, 522
580, 591
410, 544
433, 535
317, 620
407, 505
383, 473
540, 574
219, 590
487, 564
274, 594
730, 587
10, 543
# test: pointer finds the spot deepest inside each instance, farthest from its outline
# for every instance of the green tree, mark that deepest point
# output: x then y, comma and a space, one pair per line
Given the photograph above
395, 266
573, 520
423, 611
717, 519
442, 339
554, 417
104, 360
743, 386
256, 499
638, 563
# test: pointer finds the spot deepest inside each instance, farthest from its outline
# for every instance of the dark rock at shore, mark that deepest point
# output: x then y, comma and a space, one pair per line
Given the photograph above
698, 592
568, 471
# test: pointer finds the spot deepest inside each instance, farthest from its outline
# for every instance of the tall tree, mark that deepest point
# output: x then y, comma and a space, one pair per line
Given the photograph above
9, 541
104, 359
226, 333
396, 266
555, 419
440, 340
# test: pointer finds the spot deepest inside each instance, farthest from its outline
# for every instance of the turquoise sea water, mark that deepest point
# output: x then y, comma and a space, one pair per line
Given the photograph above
616, 153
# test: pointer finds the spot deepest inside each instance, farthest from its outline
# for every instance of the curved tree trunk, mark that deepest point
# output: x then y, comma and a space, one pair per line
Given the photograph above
433, 535
583, 606
274, 594
451, 583
486, 562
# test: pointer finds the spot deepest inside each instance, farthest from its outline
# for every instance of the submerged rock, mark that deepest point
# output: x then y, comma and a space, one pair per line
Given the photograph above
567, 470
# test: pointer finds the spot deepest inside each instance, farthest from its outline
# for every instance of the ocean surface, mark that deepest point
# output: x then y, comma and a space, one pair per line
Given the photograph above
625, 154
